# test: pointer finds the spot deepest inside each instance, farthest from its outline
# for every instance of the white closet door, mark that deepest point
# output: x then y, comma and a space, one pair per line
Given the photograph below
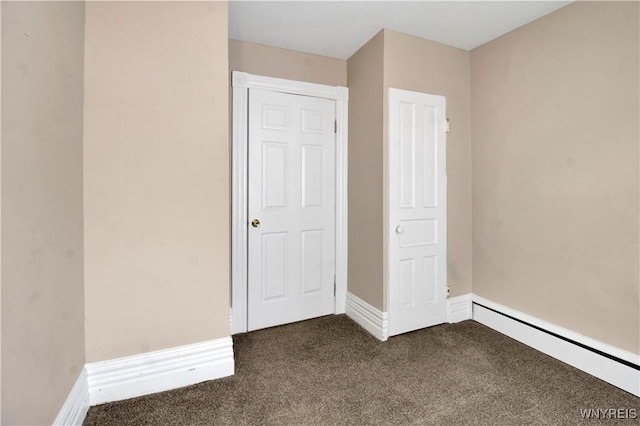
417, 281
291, 234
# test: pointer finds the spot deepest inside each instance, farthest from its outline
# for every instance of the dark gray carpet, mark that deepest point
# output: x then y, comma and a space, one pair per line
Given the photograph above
330, 371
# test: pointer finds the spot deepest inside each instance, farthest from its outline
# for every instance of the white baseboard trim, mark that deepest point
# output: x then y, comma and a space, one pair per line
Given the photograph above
75, 407
159, 371
606, 362
370, 318
459, 308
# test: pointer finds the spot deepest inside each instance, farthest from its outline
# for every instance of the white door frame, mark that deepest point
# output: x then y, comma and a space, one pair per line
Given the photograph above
241, 83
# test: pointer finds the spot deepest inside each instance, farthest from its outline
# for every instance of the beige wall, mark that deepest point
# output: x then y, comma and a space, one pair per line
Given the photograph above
365, 204
42, 247
412, 63
282, 63
156, 176
393, 59
555, 121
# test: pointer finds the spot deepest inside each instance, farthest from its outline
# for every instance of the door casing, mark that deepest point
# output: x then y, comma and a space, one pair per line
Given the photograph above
241, 83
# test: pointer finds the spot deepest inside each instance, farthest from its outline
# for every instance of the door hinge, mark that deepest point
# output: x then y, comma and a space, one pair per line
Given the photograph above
448, 292
334, 286
335, 126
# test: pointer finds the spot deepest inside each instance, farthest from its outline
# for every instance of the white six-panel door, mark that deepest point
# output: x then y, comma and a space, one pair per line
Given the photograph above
291, 235
417, 281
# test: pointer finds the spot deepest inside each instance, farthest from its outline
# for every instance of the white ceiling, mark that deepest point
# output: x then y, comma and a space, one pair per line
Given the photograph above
339, 28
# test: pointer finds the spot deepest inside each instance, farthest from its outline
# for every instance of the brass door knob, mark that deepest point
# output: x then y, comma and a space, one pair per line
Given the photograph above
255, 223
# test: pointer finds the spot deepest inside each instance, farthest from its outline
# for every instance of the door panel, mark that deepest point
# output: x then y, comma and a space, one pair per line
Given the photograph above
430, 160
274, 266
417, 281
274, 179
291, 193
418, 233
311, 274
312, 175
